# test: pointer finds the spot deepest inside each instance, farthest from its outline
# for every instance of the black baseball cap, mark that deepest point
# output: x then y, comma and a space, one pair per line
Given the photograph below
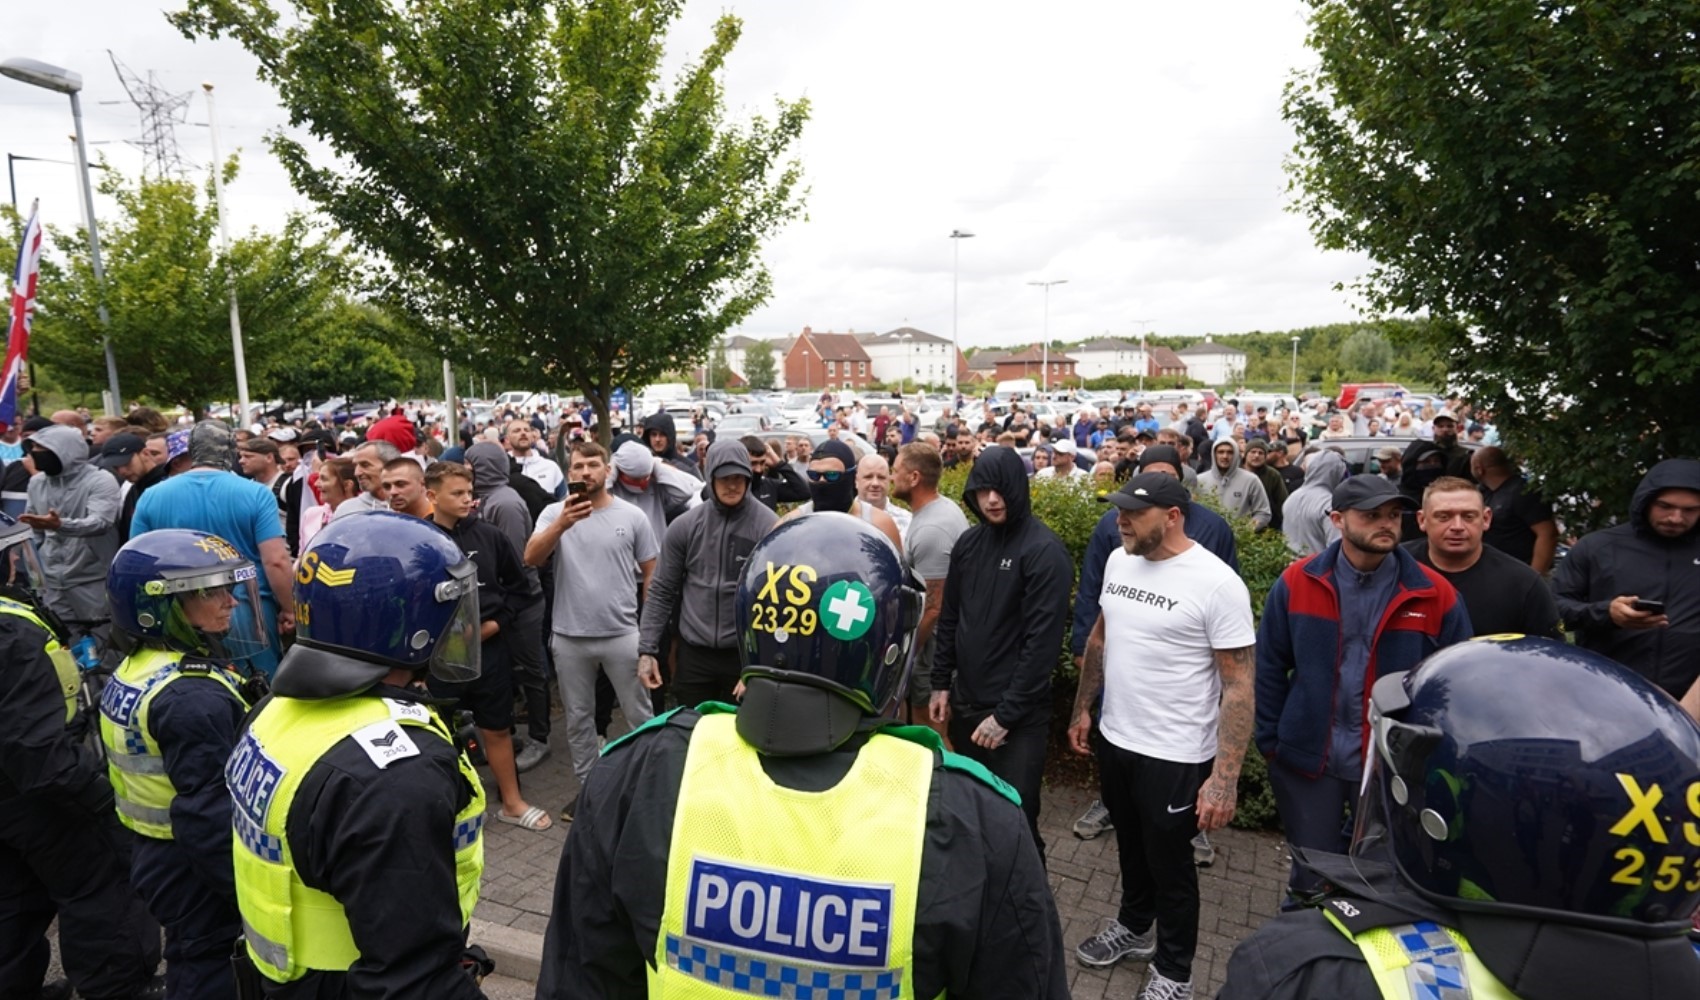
118, 450
1151, 489
1368, 493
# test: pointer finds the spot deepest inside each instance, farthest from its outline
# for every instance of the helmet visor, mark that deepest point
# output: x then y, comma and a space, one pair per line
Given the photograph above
20, 567
456, 660
216, 613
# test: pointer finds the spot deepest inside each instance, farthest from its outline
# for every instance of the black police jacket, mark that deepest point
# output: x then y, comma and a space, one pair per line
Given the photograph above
1301, 955
985, 925
38, 755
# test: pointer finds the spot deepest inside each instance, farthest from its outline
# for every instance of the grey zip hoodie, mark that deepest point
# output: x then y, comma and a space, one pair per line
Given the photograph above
1305, 519
499, 503
1240, 492
87, 500
702, 559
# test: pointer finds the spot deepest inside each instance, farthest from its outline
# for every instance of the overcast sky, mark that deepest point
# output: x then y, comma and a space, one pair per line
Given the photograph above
1131, 148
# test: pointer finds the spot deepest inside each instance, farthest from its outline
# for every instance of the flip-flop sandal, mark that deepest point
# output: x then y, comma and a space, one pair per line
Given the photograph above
530, 819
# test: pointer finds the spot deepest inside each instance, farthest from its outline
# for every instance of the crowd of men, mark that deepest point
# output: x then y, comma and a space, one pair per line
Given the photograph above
612, 571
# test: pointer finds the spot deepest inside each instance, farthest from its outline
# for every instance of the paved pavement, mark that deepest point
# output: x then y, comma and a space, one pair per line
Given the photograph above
1239, 892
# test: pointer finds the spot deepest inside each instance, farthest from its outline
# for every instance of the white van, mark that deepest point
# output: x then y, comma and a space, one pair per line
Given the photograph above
1009, 388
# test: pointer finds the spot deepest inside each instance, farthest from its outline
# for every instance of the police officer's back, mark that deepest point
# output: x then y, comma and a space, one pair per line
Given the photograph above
1530, 828
62, 852
358, 824
803, 844
169, 718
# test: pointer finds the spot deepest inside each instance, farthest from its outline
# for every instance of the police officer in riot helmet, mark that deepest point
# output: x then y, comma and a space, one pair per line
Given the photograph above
1530, 828
168, 719
62, 852
804, 840
358, 823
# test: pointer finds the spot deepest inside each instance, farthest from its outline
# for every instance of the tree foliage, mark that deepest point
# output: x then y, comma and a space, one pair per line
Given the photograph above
347, 351
537, 197
167, 296
1366, 354
759, 370
719, 370
1523, 171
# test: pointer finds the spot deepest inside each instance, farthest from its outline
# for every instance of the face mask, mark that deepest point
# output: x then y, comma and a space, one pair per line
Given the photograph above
834, 496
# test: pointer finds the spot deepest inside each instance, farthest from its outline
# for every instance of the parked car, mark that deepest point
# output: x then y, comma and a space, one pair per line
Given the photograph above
1359, 451
739, 424
816, 435
1351, 392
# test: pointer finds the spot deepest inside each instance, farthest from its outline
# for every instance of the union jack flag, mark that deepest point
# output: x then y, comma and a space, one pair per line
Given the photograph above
23, 310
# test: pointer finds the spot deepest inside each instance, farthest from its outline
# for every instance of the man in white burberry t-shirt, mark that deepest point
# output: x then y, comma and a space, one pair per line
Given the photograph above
1172, 653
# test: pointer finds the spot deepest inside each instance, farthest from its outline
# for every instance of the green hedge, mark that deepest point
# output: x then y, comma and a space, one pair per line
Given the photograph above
1072, 510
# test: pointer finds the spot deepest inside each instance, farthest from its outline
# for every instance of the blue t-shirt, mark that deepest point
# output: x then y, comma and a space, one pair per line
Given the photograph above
240, 511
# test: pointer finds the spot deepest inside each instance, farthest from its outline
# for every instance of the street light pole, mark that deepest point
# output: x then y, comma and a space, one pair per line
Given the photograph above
64, 81
224, 240
1144, 358
1293, 384
956, 238
1045, 356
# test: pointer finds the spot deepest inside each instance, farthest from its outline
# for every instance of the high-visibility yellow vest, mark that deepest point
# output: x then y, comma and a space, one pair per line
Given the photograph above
64, 664
290, 928
770, 889
141, 789
1424, 961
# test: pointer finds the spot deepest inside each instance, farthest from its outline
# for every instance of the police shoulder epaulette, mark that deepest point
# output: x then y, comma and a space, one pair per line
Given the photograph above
671, 718
954, 761
1354, 915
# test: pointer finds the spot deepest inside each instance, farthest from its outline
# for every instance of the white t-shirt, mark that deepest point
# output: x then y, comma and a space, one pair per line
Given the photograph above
1050, 472
1163, 623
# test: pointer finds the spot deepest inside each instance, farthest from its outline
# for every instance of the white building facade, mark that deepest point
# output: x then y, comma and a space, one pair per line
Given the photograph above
908, 354
1098, 358
1214, 364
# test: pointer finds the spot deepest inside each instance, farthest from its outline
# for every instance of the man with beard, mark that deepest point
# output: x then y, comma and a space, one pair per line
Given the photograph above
1172, 653
1005, 609
832, 487
935, 524
1457, 457
1334, 624
1274, 487
1237, 490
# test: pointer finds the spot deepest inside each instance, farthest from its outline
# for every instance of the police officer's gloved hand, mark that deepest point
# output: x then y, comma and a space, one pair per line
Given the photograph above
477, 963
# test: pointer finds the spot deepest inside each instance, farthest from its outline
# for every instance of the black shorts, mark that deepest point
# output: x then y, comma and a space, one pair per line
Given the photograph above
490, 698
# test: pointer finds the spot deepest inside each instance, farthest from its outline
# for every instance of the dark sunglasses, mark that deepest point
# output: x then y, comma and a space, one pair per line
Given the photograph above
832, 476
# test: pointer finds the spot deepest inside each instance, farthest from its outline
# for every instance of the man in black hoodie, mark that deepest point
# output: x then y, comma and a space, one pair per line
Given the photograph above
1603, 587
662, 437
1009, 580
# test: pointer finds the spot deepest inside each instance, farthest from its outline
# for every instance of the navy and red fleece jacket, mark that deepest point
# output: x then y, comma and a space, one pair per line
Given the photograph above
1298, 644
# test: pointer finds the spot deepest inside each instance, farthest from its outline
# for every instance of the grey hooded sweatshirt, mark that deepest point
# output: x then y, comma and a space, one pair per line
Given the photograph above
1238, 491
75, 558
702, 560
1305, 519
499, 503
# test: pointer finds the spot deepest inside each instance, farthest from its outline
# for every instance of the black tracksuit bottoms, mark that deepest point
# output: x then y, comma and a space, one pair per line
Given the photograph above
1153, 804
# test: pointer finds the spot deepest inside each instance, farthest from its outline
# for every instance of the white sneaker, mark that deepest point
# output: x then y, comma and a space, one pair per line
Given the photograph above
1094, 821
1160, 987
1114, 943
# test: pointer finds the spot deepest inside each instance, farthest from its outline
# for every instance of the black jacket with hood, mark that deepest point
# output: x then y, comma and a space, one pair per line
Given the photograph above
663, 422
1634, 559
1009, 585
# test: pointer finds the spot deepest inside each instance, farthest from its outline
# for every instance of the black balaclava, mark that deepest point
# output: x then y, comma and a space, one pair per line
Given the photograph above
840, 495
46, 460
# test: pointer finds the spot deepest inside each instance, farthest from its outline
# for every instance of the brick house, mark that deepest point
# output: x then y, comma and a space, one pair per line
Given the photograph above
827, 360
1031, 363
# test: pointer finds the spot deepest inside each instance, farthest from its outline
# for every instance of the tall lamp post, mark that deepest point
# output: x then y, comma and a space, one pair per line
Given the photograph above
1144, 359
224, 240
64, 81
956, 238
1045, 355
1293, 383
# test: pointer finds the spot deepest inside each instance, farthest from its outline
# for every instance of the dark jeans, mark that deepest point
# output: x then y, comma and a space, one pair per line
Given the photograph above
59, 857
705, 674
1153, 804
201, 926
1020, 761
1316, 814
527, 653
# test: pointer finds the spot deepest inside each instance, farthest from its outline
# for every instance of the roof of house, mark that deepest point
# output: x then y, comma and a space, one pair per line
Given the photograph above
1106, 344
741, 342
1033, 355
1209, 347
985, 360
896, 337
1164, 358
836, 346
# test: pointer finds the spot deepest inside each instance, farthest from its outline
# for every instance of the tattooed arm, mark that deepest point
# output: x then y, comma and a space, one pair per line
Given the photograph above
1091, 682
1218, 797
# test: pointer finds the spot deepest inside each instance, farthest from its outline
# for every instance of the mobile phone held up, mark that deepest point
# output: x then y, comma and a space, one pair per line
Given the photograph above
575, 488
1645, 606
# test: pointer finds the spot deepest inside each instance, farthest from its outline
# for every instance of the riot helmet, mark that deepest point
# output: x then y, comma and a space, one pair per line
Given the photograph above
189, 591
824, 606
376, 592
1523, 776
21, 576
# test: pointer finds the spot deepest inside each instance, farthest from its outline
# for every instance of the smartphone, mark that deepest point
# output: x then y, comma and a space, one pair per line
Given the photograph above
575, 488
1648, 607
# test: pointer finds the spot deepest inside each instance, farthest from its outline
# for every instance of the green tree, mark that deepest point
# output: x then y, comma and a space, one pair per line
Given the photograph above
167, 295
537, 197
1523, 172
759, 369
346, 351
719, 372
1366, 354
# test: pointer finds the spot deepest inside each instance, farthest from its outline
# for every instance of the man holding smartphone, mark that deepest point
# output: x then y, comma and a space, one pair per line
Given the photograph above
600, 540
1632, 591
